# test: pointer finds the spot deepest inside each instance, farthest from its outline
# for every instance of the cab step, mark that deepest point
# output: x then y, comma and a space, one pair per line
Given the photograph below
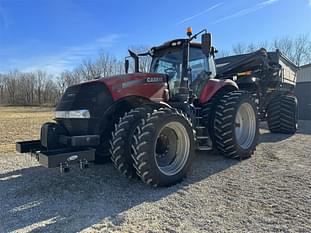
204, 148
202, 137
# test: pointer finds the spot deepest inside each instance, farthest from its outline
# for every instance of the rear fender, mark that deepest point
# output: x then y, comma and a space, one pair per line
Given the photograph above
212, 86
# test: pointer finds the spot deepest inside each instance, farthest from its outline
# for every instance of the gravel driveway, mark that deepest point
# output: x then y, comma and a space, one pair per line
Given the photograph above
271, 192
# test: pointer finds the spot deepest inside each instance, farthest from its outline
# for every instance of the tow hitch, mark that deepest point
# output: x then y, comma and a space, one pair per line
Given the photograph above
65, 167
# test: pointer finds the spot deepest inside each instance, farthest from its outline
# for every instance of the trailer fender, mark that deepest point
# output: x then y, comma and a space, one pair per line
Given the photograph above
212, 86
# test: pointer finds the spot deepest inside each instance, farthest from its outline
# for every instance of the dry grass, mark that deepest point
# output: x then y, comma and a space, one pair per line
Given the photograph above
21, 123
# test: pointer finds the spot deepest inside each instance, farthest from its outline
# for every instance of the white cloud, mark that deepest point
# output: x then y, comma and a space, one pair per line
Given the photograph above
200, 13
247, 11
66, 60
267, 2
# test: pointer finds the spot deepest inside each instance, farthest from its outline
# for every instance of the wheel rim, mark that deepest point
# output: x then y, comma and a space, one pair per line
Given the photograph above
245, 125
172, 148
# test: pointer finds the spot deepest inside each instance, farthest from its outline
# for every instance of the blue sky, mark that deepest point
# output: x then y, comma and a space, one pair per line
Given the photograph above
58, 34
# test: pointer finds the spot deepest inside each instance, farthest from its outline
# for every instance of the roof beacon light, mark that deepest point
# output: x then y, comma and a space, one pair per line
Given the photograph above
245, 73
189, 31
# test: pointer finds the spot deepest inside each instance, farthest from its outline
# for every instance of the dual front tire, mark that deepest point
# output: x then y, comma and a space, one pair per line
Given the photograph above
122, 140
163, 148
156, 145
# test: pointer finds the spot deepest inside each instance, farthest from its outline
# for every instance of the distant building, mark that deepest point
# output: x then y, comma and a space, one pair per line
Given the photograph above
303, 92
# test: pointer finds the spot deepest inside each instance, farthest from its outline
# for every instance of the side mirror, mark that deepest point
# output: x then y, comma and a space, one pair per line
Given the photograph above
206, 43
126, 65
213, 51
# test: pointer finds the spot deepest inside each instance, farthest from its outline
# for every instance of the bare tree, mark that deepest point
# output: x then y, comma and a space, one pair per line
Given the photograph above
296, 49
286, 45
239, 48
90, 70
26, 88
61, 84
119, 68
223, 53
104, 63
264, 44
251, 47
67, 79
41, 77
50, 93
10, 82
2, 90
302, 50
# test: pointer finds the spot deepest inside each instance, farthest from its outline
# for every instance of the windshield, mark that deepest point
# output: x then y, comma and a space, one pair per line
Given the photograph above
169, 62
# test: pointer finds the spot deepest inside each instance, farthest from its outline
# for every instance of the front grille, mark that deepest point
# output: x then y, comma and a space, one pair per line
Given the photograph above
93, 96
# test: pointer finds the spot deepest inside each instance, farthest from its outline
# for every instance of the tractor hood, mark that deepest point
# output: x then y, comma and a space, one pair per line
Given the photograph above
97, 95
147, 85
82, 106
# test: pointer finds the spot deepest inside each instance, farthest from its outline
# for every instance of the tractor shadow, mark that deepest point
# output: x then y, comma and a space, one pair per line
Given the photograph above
304, 127
45, 201
273, 137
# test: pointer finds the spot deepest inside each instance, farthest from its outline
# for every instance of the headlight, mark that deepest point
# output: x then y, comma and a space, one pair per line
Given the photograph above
80, 114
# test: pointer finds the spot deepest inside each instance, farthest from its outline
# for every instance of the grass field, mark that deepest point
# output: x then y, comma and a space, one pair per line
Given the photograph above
21, 123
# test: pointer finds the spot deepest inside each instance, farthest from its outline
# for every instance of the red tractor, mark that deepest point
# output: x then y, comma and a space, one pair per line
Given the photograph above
150, 124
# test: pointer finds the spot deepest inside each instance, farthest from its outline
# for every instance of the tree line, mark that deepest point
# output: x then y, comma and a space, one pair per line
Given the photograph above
297, 49
40, 88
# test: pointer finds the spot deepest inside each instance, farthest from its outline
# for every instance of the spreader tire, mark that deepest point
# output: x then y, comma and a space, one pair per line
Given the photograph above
283, 114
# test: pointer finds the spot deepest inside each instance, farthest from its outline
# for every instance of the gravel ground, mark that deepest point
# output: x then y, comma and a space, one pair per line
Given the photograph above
271, 192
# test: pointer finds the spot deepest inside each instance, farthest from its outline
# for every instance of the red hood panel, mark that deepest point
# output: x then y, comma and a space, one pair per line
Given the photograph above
147, 85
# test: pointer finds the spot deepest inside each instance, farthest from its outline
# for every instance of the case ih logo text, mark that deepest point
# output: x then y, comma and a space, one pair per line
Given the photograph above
154, 80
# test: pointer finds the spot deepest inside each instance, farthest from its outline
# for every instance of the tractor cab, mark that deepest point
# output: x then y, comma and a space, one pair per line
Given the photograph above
188, 65
168, 59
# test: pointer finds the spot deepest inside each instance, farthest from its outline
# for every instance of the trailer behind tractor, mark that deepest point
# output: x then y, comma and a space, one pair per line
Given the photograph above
150, 124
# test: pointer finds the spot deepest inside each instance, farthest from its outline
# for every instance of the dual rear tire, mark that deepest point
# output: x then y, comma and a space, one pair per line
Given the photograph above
236, 128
